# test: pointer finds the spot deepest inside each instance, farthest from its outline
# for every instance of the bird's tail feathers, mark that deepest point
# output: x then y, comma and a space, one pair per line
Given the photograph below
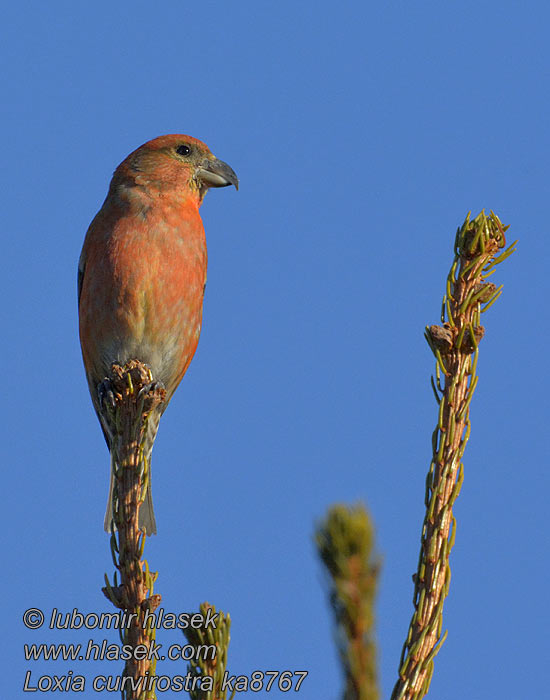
146, 512
109, 511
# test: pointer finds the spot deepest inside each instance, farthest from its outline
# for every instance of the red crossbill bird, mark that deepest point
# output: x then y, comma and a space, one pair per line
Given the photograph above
142, 273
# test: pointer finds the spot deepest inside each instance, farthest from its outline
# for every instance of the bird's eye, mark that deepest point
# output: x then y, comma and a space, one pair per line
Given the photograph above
183, 150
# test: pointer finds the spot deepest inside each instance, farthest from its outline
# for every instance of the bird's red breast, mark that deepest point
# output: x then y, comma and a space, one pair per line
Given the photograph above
142, 291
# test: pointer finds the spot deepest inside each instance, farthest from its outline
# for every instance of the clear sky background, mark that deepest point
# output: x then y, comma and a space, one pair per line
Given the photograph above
362, 134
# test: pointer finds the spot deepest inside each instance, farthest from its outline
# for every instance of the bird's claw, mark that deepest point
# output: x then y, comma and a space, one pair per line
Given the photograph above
105, 394
151, 387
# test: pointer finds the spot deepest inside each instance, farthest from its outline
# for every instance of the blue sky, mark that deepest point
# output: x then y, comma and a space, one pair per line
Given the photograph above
362, 134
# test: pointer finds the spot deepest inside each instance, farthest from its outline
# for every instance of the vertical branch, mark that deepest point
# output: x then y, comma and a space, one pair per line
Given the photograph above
132, 396
345, 543
455, 346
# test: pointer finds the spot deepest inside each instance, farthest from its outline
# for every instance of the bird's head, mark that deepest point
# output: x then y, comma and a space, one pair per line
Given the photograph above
176, 163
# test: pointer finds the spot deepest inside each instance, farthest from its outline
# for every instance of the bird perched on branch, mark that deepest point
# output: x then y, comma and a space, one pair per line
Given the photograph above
142, 273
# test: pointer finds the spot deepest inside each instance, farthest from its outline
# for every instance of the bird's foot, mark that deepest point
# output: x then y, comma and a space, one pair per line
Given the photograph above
153, 388
151, 395
105, 394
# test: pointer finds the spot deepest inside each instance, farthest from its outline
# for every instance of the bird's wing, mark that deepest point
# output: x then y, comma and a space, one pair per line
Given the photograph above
81, 268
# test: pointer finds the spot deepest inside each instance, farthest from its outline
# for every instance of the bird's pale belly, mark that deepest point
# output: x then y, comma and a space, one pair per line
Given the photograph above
158, 323
167, 348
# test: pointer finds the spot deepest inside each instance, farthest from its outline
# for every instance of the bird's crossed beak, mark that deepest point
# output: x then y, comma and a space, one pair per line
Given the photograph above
215, 173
